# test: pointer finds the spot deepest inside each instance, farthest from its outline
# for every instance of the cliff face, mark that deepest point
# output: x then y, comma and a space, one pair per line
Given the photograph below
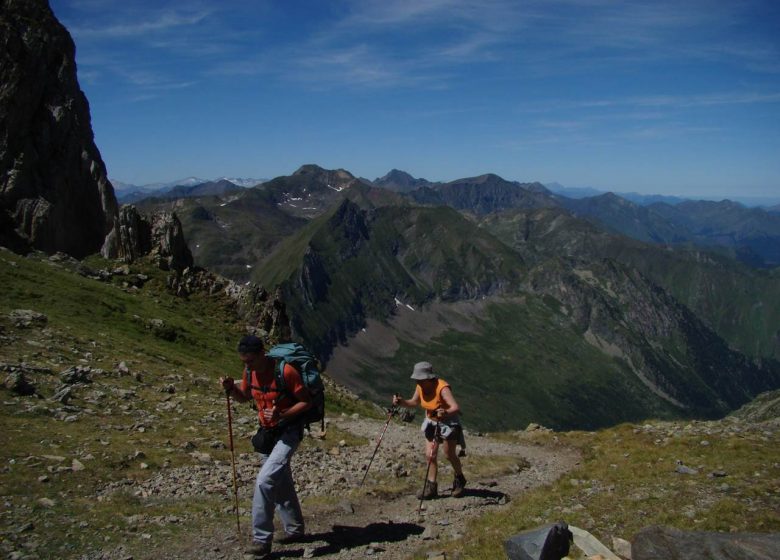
54, 191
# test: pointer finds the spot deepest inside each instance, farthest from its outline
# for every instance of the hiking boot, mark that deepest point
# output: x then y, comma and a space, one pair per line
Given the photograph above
259, 550
430, 491
290, 538
458, 486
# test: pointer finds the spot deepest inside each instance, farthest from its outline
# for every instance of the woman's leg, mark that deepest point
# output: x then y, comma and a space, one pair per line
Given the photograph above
431, 459
450, 451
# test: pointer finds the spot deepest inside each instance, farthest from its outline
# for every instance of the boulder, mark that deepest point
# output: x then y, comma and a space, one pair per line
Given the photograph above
667, 543
549, 542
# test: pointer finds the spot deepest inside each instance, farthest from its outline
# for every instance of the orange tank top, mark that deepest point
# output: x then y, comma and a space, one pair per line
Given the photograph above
434, 401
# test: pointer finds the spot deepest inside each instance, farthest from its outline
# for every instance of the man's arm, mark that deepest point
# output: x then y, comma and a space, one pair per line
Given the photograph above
237, 391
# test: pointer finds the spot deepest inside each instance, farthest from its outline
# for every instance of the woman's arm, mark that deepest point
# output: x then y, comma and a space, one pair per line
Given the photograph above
452, 405
408, 403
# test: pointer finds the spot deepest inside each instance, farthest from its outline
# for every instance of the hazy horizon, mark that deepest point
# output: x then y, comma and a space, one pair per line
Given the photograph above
655, 98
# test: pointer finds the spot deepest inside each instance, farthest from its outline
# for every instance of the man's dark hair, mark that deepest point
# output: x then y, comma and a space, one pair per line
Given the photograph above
250, 344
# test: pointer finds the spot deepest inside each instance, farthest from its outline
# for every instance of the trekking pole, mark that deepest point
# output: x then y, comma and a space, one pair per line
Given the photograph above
233, 461
392, 411
434, 452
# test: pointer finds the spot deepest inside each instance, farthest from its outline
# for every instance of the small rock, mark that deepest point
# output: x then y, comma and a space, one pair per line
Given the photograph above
621, 547
47, 502
77, 465
62, 395
27, 318
682, 469
347, 507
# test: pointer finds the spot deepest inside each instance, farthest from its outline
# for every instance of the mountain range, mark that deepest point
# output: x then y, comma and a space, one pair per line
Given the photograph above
537, 307
127, 193
535, 314
487, 275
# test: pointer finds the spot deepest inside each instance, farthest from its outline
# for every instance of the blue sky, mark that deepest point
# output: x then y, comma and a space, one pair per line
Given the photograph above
674, 97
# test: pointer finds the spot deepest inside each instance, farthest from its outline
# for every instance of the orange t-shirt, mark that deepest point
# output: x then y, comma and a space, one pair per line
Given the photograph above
434, 401
267, 394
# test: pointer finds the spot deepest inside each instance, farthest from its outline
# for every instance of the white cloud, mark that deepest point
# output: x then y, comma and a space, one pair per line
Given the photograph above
163, 22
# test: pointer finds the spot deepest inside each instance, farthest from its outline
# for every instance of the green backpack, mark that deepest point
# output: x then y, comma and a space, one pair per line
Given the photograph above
308, 366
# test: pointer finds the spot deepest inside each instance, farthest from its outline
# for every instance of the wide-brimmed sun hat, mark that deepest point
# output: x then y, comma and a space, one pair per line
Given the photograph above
423, 371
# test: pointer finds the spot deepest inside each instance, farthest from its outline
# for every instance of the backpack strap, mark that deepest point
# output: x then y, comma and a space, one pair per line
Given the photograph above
281, 387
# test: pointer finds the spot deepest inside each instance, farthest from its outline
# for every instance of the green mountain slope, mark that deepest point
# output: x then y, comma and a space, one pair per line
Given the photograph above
740, 303
517, 361
599, 332
351, 264
752, 233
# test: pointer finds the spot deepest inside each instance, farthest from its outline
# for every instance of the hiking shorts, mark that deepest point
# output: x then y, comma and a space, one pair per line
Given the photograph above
448, 429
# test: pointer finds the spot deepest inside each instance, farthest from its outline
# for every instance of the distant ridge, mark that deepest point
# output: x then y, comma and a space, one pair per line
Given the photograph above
766, 202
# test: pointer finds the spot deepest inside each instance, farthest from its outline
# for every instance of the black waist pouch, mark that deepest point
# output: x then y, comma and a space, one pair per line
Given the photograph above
265, 439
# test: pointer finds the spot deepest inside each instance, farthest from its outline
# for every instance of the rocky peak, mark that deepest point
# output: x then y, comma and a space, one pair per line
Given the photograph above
54, 191
401, 181
161, 237
334, 178
397, 176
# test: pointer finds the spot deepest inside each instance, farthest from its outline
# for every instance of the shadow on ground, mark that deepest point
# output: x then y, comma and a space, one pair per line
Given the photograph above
342, 537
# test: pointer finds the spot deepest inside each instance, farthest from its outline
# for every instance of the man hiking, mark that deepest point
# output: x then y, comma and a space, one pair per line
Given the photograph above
441, 425
281, 430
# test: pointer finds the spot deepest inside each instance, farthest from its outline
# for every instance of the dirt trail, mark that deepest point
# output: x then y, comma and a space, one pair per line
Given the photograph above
343, 522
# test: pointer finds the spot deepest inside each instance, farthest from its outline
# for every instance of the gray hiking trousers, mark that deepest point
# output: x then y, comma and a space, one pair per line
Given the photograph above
275, 489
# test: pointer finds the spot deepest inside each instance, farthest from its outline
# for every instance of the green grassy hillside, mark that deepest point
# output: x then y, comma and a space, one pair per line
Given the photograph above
125, 381
522, 362
628, 480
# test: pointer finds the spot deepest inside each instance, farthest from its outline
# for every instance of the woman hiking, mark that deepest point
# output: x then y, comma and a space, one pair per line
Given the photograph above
442, 422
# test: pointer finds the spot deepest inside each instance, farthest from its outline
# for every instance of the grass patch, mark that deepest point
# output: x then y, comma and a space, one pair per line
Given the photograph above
627, 481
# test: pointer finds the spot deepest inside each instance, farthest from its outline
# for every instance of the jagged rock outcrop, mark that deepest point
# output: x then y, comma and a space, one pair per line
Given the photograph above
169, 247
161, 237
313, 279
135, 233
54, 191
350, 221
264, 313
